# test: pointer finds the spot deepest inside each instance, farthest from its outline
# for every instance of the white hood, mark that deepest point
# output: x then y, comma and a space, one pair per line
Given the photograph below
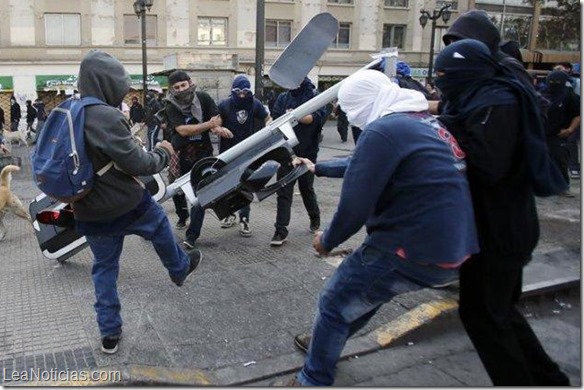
368, 95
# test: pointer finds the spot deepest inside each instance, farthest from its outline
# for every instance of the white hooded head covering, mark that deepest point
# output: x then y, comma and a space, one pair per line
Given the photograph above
367, 95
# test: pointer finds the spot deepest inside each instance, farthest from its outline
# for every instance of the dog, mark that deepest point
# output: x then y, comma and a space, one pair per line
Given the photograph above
19, 136
8, 201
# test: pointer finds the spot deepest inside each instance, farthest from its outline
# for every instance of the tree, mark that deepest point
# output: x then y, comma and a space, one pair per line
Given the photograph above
560, 29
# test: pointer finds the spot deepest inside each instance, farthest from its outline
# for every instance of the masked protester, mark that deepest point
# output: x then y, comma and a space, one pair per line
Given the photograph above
495, 120
118, 205
240, 112
308, 131
191, 114
406, 183
563, 122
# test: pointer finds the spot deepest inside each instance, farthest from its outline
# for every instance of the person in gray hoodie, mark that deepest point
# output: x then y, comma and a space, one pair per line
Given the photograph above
118, 204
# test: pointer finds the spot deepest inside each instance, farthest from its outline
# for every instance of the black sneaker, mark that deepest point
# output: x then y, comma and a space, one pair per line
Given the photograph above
109, 344
244, 229
228, 222
278, 239
302, 342
196, 256
189, 243
181, 224
314, 224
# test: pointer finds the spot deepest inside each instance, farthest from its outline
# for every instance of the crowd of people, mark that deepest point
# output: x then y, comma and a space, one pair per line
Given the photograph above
443, 177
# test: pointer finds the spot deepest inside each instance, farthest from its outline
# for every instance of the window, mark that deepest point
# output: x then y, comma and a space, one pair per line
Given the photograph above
442, 3
343, 38
278, 33
63, 29
397, 3
394, 35
340, 1
133, 30
212, 31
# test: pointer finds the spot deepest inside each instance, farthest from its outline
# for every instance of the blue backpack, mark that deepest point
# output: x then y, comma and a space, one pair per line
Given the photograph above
61, 167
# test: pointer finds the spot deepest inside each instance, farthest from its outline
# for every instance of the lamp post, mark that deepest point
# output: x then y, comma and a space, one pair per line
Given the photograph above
140, 7
443, 13
259, 52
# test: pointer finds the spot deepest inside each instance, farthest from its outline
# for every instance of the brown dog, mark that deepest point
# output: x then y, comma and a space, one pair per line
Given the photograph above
8, 201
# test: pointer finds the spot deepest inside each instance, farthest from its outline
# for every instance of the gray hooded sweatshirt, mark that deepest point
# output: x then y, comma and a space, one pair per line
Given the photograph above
108, 138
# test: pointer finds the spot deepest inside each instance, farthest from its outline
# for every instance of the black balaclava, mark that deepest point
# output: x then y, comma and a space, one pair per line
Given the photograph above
475, 24
241, 83
557, 88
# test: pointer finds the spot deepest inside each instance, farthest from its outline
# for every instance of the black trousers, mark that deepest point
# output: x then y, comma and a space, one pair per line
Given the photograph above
506, 344
285, 195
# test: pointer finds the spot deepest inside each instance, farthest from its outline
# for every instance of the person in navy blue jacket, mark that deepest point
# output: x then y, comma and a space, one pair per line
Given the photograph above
239, 113
406, 182
308, 131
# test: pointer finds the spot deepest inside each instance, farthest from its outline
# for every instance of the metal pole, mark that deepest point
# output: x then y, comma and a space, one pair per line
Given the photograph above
260, 42
432, 37
144, 60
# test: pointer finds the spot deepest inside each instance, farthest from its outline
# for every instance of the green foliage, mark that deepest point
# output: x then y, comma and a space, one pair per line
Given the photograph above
561, 29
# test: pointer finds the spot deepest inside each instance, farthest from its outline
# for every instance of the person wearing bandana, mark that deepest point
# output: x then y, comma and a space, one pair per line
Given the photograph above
308, 131
239, 113
495, 119
191, 115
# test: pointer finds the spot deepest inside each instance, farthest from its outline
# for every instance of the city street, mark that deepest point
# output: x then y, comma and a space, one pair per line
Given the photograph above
233, 323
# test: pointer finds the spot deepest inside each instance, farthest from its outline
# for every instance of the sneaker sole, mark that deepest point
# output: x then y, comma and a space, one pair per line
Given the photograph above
181, 227
188, 244
277, 243
243, 234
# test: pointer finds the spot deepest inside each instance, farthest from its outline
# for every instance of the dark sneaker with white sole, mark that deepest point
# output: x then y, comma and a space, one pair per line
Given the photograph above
109, 344
181, 224
244, 229
278, 239
196, 256
228, 222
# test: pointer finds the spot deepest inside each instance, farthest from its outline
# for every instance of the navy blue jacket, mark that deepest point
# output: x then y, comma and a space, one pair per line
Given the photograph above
406, 183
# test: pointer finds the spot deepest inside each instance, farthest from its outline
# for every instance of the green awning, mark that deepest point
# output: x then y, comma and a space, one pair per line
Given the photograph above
6, 84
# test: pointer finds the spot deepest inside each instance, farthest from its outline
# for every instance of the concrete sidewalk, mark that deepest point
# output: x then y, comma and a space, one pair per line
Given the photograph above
234, 322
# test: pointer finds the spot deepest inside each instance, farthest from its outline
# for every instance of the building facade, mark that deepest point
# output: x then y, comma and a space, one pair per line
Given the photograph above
43, 41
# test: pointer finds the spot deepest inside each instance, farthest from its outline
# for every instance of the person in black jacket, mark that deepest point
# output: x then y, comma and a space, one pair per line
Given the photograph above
563, 121
307, 131
136, 112
15, 114
494, 118
191, 115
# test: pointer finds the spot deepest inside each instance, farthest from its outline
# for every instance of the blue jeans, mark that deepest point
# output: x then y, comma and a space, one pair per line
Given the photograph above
153, 225
364, 281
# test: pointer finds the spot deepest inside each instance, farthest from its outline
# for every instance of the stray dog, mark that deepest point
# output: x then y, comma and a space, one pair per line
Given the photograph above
19, 136
8, 201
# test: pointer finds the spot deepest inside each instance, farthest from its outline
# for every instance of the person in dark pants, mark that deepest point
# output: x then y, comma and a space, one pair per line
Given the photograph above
31, 115
307, 131
495, 120
15, 114
153, 105
191, 115
356, 133
239, 113
563, 121
342, 122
